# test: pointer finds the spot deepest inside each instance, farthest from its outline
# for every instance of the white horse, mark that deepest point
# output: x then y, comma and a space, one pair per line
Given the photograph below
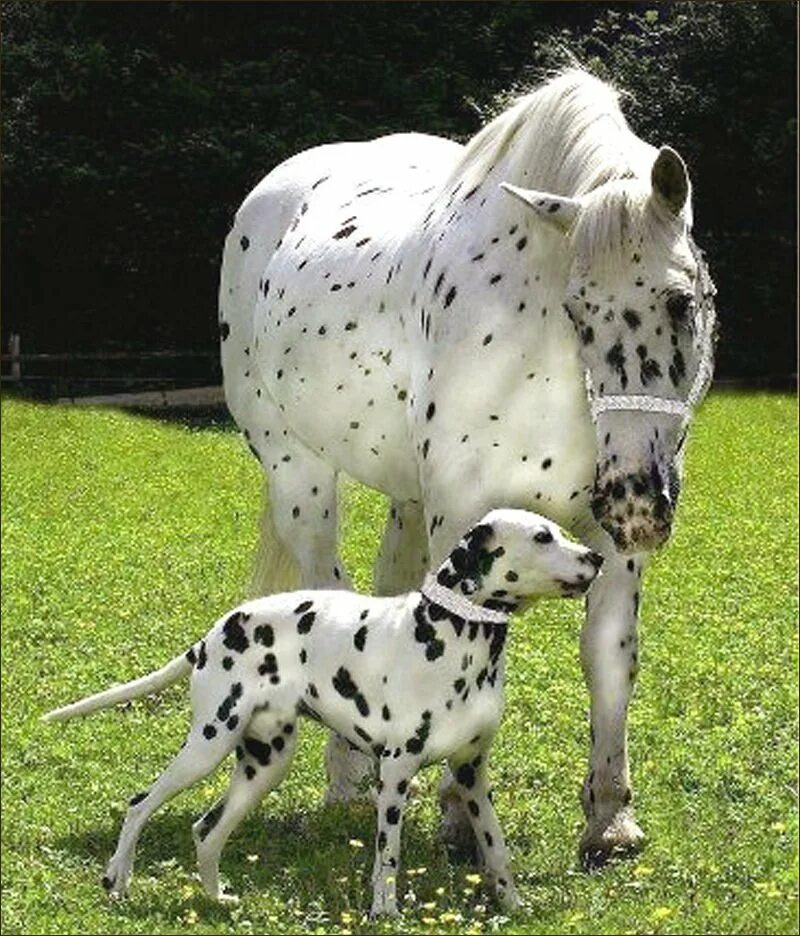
520, 322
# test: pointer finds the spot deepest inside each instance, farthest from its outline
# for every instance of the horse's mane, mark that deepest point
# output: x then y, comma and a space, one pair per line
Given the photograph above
569, 137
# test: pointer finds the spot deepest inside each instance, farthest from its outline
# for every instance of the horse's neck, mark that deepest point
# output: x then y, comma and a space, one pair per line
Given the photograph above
511, 265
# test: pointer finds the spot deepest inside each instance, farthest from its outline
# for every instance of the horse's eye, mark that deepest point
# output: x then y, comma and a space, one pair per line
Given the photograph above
678, 307
543, 536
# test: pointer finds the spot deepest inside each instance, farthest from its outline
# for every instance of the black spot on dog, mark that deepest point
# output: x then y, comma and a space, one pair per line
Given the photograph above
235, 638
344, 685
138, 798
305, 622
269, 666
264, 635
360, 638
258, 750
465, 775
210, 819
393, 815
209, 732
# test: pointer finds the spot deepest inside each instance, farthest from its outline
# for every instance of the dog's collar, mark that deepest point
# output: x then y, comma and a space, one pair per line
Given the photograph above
459, 604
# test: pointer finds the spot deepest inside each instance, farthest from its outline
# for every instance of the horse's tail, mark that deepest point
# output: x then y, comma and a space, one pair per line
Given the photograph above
154, 682
274, 568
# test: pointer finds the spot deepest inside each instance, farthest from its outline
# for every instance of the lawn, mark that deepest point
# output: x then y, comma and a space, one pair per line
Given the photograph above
123, 538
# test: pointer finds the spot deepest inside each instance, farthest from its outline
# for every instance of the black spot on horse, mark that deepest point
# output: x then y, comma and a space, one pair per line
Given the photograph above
632, 319
616, 360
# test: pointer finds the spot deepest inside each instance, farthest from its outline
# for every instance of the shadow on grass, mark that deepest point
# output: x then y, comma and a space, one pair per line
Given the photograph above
320, 858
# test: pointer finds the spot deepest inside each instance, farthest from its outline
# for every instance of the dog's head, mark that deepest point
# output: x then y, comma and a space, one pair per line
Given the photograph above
513, 556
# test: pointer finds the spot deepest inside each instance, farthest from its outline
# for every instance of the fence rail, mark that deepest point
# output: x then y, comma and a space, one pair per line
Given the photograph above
73, 374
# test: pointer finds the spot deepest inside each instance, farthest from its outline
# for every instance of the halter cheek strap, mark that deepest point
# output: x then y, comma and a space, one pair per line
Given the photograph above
459, 604
652, 404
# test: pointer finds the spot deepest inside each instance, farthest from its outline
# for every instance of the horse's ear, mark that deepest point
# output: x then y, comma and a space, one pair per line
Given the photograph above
555, 209
670, 179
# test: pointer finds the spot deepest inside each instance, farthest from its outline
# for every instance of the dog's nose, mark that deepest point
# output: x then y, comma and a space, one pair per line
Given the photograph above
596, 559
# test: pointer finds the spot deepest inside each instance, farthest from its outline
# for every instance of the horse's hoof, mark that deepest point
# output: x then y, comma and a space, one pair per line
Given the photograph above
620, 838
455, 833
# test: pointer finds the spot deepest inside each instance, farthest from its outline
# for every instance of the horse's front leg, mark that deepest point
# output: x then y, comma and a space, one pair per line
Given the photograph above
609, 657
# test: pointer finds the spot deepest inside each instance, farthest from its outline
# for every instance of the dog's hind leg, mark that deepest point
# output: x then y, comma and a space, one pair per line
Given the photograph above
263, 757
201, 753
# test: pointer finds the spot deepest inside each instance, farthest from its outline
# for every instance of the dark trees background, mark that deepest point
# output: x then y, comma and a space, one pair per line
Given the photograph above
132, 131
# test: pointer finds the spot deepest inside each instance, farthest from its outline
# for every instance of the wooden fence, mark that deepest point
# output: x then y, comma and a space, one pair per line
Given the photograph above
73, 375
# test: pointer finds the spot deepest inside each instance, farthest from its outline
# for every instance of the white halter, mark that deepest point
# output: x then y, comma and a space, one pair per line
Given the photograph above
652, 404
459, 604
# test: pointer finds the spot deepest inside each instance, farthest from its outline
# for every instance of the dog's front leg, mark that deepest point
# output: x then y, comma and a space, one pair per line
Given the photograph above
395, 777
472, 784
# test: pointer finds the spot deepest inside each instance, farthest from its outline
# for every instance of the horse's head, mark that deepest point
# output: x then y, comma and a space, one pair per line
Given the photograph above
641, 301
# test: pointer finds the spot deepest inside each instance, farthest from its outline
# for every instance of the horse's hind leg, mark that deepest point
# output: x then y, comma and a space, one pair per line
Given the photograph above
403, 556
302, 510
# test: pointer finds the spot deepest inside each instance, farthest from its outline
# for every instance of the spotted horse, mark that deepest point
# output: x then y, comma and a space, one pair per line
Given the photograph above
524, 321
407, 680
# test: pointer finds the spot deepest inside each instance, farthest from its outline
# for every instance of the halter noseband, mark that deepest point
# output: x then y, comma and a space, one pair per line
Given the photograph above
653, 404
459, 604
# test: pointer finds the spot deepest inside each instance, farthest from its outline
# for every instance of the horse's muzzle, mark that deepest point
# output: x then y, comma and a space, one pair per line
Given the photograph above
636, 510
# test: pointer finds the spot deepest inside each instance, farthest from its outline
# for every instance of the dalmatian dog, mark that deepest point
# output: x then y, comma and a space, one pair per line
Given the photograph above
409, 680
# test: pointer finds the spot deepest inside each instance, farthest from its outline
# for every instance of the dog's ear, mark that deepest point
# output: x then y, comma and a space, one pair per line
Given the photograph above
479, 559
478, 536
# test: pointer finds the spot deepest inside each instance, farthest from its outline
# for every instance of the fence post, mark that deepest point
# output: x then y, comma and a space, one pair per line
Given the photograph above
14, 345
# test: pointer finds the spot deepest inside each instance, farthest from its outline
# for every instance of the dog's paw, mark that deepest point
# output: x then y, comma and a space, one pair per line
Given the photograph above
508, 899
230, 900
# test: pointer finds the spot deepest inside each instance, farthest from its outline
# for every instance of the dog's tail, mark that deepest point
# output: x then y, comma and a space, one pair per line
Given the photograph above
154, 682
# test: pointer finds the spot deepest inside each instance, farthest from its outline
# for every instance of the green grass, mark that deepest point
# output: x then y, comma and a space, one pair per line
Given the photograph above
124, 538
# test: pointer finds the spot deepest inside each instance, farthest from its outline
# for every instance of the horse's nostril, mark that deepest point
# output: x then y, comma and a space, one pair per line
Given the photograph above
662, 509
596, 559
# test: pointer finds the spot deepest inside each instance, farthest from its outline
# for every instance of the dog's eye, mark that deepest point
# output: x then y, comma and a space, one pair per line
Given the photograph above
543, 536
